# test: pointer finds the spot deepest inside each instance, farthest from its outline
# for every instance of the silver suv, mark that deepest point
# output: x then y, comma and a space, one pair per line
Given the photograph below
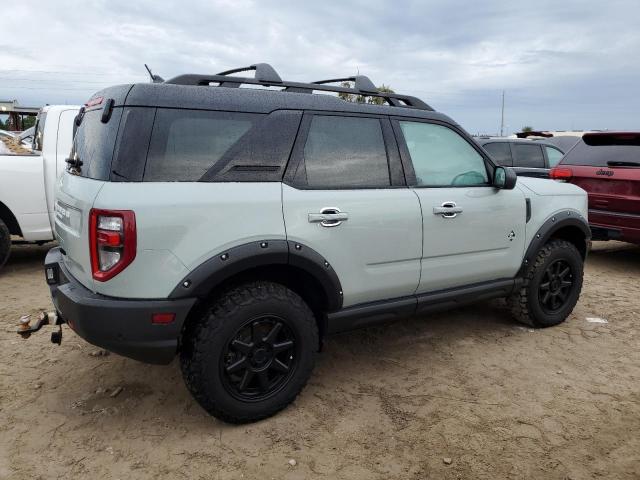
236, 227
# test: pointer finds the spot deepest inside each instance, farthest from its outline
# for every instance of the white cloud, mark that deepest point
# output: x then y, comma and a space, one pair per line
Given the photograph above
563, 66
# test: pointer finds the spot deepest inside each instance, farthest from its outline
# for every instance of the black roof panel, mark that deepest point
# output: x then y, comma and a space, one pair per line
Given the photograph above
255, 100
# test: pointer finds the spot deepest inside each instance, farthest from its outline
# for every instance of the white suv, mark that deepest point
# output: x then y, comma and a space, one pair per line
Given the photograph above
236, 227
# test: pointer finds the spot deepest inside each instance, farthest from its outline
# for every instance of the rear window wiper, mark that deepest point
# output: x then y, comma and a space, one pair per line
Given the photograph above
621, 163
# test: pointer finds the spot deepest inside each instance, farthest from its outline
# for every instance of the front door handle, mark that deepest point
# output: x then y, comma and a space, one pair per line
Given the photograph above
447, 210
329, 217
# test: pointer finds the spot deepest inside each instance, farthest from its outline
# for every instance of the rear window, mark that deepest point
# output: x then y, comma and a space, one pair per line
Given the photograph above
185, 144
500, 153
597, 150
93, 143
529, 156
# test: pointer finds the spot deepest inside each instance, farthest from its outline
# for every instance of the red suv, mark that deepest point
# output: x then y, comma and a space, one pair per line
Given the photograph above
607, 166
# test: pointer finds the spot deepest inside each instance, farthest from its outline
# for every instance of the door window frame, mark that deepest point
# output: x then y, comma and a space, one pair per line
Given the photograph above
410, 174
394, 163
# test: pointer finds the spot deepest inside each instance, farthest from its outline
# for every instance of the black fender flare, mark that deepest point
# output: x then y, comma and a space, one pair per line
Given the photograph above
560, 220
233, 261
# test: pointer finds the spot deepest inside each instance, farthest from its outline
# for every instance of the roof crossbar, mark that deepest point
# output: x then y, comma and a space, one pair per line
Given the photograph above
266, 76
264, 72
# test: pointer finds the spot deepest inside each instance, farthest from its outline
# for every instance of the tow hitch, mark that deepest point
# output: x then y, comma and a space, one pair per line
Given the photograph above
25, 328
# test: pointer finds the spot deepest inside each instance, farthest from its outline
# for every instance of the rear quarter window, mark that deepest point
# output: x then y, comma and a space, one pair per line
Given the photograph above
185, 144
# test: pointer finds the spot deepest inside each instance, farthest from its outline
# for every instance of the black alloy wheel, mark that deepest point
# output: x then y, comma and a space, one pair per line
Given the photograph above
555, 287
259, 358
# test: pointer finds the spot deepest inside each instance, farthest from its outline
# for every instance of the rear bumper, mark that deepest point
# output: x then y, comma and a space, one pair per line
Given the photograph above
615, 226
118, 325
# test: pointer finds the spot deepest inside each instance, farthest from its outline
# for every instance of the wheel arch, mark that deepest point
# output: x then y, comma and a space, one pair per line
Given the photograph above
566, 225
292, 264
9, 219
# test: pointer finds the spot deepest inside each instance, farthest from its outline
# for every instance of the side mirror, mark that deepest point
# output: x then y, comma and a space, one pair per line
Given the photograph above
504, 178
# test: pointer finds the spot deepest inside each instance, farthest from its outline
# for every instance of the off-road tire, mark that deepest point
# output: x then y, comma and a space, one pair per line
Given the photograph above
206, 338
5, 244
526, 305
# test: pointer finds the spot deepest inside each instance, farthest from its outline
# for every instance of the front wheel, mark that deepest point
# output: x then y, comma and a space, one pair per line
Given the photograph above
5, 243
551, 287
250, 352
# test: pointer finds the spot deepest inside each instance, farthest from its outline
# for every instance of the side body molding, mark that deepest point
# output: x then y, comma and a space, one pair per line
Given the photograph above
263, 253
560, 220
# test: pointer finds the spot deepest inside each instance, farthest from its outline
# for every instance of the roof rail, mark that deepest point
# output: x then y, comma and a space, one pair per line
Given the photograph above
267, 76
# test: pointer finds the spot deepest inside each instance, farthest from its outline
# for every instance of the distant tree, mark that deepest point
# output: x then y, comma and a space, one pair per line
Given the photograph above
350, 97
527, 129
28, 121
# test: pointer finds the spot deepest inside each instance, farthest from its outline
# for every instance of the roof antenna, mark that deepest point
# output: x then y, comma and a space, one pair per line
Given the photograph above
154, 78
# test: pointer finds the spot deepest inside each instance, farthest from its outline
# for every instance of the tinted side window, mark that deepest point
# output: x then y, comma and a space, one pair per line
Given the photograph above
186, 143
554, 155
94, 142
344, 152
527, 156
500, 152
442, 158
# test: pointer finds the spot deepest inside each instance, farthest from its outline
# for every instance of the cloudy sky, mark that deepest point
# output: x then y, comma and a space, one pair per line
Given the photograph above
563, 64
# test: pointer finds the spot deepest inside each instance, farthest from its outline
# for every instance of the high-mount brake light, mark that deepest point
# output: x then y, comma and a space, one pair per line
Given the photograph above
112, 242
559, 173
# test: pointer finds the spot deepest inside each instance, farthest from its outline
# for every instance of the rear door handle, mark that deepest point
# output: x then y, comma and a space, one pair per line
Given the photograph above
447, 210
329, 217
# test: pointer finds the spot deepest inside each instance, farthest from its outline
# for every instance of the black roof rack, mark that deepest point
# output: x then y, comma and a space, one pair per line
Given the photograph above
266, 75
361, 83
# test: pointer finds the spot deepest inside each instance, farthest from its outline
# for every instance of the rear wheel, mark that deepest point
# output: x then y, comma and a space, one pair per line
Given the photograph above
5, 243
551, 286
250, 352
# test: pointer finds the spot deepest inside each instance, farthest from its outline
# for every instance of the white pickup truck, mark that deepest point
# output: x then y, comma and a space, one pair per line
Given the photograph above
28, 178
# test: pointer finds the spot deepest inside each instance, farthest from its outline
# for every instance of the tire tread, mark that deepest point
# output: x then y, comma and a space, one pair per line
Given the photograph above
205, 327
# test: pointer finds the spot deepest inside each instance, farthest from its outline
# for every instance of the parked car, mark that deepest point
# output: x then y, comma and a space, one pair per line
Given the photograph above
564, 143
236, 227
528, 158
607, 166
27, 180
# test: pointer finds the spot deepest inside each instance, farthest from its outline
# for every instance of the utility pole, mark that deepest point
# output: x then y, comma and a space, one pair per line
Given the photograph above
502, 117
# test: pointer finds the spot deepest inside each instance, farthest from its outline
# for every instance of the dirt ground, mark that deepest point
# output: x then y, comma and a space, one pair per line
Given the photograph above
498, 399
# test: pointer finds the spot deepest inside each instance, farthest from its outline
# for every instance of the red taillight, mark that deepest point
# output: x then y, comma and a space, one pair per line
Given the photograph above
112, 242
559, 173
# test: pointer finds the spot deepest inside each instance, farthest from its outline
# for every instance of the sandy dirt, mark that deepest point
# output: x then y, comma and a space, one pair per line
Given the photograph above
498, 399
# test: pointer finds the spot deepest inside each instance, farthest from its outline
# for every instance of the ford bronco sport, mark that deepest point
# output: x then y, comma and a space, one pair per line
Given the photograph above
236, 227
